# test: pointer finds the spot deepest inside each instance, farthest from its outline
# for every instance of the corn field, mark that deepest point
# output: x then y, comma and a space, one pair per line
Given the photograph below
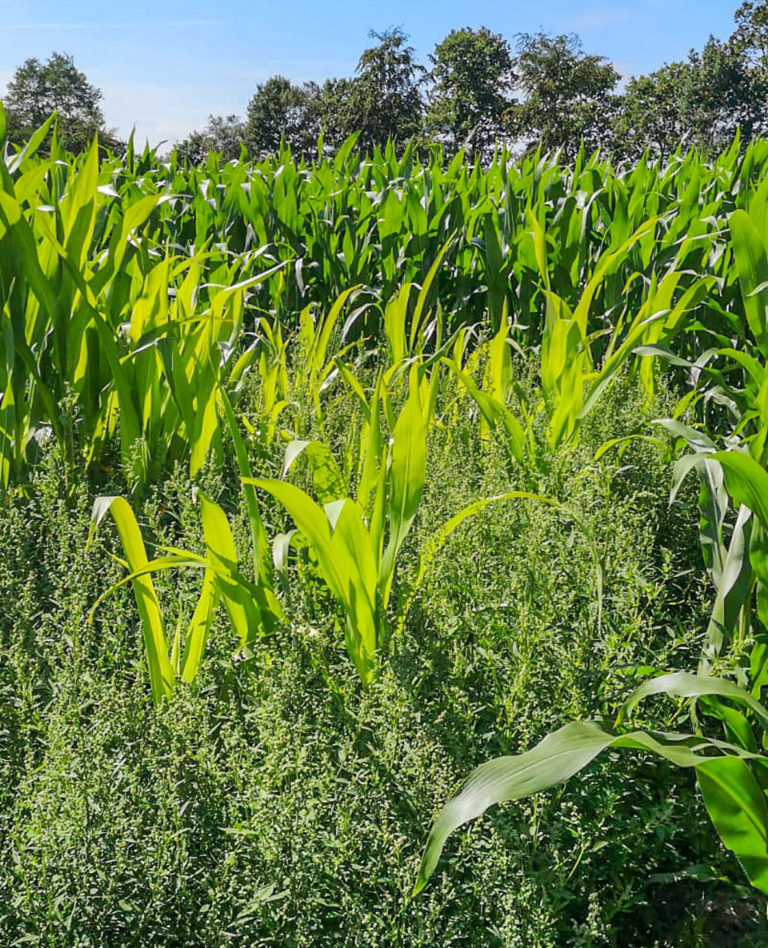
320, 336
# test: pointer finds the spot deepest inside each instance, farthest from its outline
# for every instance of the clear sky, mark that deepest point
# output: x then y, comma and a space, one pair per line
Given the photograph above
165, 67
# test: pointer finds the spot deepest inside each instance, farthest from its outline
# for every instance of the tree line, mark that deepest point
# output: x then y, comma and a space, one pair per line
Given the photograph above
478, 91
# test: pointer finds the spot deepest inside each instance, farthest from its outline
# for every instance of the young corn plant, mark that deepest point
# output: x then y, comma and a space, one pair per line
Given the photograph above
572, 380
251, 606
97, 316
730, 774
357, 554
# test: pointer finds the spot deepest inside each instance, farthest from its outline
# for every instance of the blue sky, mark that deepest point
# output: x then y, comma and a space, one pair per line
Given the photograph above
164, 68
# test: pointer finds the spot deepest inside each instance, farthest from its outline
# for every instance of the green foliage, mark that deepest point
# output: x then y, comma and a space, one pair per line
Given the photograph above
223, 134
272, 801
652, 116
566, 96
752, 30
728, 775
471, 81
278, 112
704, 101
384, 102
145, 343
37, 89
356, 561
730, 772
394, 416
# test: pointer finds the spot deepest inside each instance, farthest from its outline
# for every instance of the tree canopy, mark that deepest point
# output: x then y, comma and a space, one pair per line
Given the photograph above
223, 134
472, 78
39, 89
279, 112
566, 96
651, 113
384, 101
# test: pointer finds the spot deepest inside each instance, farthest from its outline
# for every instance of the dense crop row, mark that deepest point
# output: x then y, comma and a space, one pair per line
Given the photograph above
128, 336
218, 316
157, 278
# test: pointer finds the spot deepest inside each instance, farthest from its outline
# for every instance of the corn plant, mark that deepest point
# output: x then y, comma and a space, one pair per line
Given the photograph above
572, 378
127, 286
356, 554
730, 774
96, 318
251, 607
357, 541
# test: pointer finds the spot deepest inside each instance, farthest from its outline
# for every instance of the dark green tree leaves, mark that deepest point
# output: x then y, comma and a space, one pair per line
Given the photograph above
223, 134
472, 80
384, 100
39, 89
566, 95
279, 112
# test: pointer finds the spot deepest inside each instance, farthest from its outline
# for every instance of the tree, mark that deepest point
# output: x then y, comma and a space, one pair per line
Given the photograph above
39, 89
651, 114
328, 109
280, 111
752, 31
384, 101
471, 86
567, 95
724, 93
223, 134
701, 102
751, 39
